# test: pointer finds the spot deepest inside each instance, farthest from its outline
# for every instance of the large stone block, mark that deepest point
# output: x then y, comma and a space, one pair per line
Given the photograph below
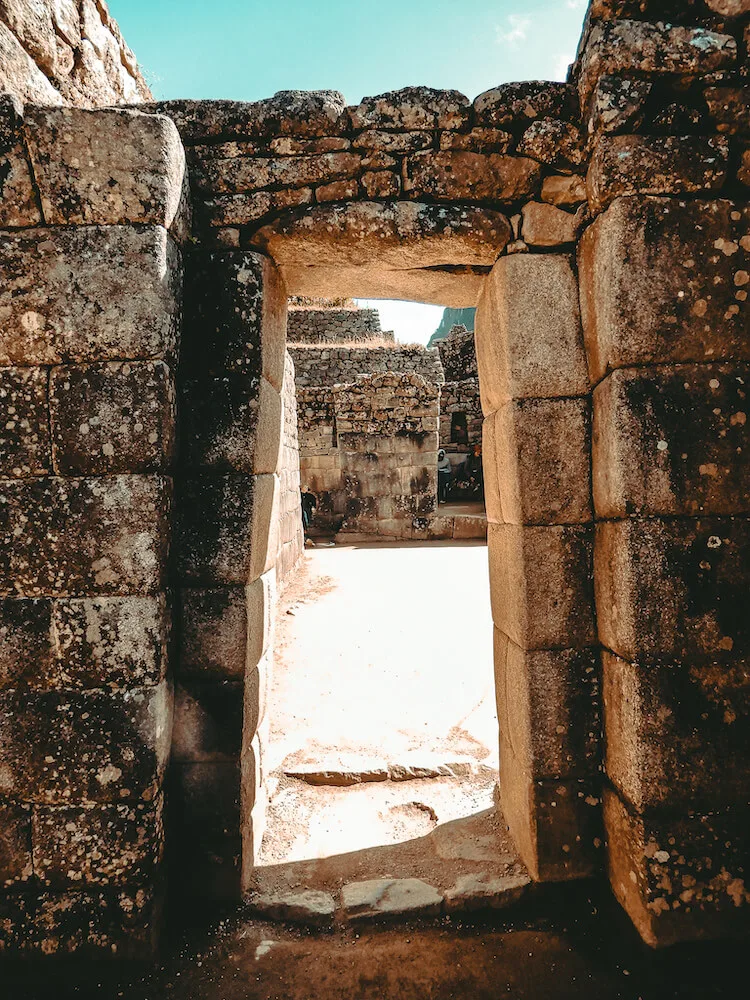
674, 588
87, 294
518, 104
20, 75
70, 537
266, 523
207, 720
16, 864
683, 877
213, 633
672, 440
220, 416
548, 706
528, 331
451, 176
98, 845
24, 422
26, 641
492, 472
624, 165
674, 273
543, 460
556, 825
84, 747
108, 167
677, 734
238, 174
540, 584
19, 205
412, 108
111, 418
214, 528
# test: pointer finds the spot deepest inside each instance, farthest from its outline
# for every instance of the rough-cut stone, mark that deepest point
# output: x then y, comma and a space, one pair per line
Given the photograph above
674, 588
207, 720
514, 104
548, 705
390, 898
26, 641
660, 716
20, 75
460, 176
625, 45
669, 440
411, 109
110, 418
457, 286
83, 294
623, 165
528, 331
558, 144
19, 205
249, 208
107, 168
483, 892
220, 416
564, 192
541, 586
393, 142
337, 191
381, 184
547, 226
32, 25
214, 633
24, 423
289, 113
478, 140
110, 845
729, 108
729, 8
94, 747
16, 864
214, 525
543, 452
683, 877
68, 537
239, 174
341, 771
617, 104
675, 274
310, 907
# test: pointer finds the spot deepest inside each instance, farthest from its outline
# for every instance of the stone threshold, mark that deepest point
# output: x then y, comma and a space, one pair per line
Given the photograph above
345, 771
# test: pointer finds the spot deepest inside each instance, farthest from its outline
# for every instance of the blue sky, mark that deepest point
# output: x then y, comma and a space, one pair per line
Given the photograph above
249, 49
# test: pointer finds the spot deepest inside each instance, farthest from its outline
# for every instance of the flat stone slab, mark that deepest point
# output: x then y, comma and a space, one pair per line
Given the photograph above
390, 898
310, 907
339, 771
482, 892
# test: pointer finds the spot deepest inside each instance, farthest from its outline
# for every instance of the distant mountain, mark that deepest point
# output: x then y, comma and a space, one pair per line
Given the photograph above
451, 318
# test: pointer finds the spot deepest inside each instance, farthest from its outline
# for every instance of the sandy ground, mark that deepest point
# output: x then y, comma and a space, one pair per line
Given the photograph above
384, 656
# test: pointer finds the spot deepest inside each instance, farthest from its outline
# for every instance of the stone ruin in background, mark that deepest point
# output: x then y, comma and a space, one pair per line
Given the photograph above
148, 452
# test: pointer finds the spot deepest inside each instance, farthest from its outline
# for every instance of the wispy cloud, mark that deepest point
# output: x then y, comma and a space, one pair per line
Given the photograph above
515, 31
577, 4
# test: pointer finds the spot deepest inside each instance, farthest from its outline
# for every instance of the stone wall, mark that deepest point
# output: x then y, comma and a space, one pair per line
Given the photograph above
460, 398
336, 326
291, 539
329, 365
66, 52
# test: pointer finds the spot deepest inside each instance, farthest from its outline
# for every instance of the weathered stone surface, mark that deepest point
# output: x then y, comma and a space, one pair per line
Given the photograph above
458, 176
617, 104
411, 109
670, 440
220, 416
672, 728
24, 423
680, 878
87, 294
238, 174
289, 113
214, 633
482, 892
287, 146
548, 704
337, 191
625, 45
390, 898
541, 586
20, 75
311, 907
547, 226
623, 165
542, 451
68, 537
674, 588
729, 8
32, 25
556, 143
528, 331
478, 140
16, 863
675, 274
214, 525
512, 104
207, 720
26, 641
107, 642
19, 205
341, 771
398, 236
729, 108
93, 746
111, 418
564, 192
250, 208
393, 142
109, 845
381, 184
108, 168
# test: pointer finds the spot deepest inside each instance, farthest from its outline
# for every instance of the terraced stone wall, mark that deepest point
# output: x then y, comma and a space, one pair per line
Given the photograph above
335, 326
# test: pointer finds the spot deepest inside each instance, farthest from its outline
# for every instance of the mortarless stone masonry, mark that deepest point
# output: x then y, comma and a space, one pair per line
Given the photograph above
618, 540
